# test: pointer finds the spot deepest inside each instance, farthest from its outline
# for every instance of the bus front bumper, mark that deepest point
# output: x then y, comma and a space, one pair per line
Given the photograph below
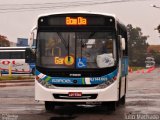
109, 93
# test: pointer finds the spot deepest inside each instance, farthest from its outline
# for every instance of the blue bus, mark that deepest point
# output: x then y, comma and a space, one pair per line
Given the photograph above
81, 58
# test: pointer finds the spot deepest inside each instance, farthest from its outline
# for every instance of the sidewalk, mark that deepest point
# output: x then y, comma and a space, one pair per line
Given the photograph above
13, 83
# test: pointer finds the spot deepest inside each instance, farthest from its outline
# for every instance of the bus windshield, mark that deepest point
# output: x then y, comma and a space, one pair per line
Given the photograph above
76, 49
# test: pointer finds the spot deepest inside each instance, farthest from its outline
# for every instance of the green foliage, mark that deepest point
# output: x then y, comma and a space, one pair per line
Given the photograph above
16, 77
137, 68
3, 41
137, 46
158, 28
156, 56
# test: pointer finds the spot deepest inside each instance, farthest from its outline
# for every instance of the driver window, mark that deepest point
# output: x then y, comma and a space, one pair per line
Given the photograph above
107, 46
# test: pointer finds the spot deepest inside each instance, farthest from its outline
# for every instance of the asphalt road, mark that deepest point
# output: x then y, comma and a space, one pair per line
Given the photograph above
143, 99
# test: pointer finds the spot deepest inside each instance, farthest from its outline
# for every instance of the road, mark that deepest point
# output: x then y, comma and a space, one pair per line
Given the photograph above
143, 98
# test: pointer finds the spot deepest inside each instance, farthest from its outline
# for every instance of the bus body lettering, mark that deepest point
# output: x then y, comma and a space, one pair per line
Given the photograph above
6, 62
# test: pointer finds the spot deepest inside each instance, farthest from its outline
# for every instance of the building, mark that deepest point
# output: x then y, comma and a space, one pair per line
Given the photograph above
22, 42
12, 44
155, 48
4, 42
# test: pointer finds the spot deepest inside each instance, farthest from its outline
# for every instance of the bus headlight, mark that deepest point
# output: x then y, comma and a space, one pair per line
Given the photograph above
105, 84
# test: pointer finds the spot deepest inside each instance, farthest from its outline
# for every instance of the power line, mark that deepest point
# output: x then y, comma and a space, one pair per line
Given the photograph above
48, 3
64, 4
46, 6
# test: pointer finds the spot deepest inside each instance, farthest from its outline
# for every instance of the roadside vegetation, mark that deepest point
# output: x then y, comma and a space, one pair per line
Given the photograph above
137, 68
16, 77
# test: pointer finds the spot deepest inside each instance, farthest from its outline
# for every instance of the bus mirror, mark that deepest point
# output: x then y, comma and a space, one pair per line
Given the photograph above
32, 41
123, 44
29, 56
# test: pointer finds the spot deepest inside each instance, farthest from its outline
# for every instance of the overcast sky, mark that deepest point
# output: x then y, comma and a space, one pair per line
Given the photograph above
139, 13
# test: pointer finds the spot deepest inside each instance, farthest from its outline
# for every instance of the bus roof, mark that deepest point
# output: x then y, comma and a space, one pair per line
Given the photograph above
84, 12
78, 12
13, 48
149, 57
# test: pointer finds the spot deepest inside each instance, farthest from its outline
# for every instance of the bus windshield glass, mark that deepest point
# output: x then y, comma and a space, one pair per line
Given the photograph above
76, 49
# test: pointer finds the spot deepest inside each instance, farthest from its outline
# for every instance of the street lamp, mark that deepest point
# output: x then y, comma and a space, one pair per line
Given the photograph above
155, 6
158, 28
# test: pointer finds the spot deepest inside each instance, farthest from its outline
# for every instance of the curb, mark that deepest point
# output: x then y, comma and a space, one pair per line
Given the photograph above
14, 85
16, 81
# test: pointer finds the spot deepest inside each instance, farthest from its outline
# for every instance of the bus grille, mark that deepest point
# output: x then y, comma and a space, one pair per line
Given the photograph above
84, 96
74, 85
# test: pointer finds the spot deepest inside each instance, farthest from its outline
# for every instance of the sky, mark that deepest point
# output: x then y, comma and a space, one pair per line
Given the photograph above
18, 23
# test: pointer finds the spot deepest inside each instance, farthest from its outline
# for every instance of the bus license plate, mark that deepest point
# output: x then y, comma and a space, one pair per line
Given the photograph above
75, 94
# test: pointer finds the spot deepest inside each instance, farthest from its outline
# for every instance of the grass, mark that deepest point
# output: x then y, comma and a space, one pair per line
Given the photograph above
16, 77
137, 68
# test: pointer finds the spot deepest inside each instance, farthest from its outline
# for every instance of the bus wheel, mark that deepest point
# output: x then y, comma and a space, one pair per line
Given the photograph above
49, 106
33, 71
111, 106
123, 100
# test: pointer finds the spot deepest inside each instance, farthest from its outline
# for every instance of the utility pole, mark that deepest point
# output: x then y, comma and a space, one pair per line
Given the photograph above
155, 6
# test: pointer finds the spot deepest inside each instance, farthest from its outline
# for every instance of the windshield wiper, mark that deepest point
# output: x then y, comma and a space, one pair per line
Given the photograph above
68, 48
65, 44
63, 40
91, 35
83, 44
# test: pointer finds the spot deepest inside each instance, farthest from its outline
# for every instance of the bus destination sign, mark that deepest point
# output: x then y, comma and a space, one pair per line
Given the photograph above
76, 21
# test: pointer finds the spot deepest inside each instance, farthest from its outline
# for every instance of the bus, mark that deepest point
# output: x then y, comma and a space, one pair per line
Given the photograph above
81, 58
15, 57
150, 62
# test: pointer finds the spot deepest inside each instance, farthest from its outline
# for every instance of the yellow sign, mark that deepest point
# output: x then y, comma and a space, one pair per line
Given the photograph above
58, 61
68, 60
76, 21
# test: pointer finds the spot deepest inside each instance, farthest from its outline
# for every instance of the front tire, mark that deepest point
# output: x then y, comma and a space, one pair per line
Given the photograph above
112, 106
123, 100
49, 106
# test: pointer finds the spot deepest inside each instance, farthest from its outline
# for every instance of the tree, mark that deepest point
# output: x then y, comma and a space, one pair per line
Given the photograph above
137, 46
158, 28
156, 55
4, 42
